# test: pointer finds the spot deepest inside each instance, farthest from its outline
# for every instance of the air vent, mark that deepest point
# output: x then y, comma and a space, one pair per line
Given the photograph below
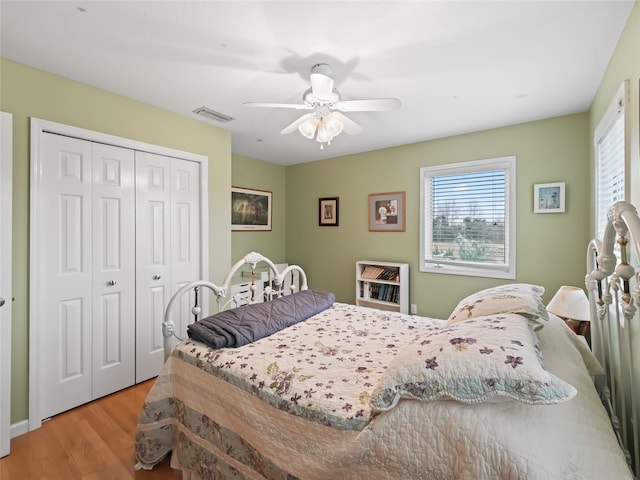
213, 115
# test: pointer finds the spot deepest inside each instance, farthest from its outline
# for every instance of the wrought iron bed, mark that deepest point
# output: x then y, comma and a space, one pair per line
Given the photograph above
223, 299
613, 286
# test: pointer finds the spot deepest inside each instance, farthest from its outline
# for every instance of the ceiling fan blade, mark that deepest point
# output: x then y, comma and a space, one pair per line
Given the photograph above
294, 126
321, 86
349, 126
296, 106
371, 105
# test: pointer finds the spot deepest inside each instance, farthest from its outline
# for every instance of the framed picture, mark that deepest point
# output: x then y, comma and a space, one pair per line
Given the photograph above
250, 210
328, 212
386, 212
548, 197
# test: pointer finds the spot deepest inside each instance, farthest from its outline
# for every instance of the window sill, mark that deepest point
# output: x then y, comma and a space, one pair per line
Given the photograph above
468, 271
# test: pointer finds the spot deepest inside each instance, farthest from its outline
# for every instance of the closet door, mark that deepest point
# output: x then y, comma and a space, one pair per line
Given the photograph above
168, 250
86, 284
153, 259
86, 277
114, 272
185, 235
65, 276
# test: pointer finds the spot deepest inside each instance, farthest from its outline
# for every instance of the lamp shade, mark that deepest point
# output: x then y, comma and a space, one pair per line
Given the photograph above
570, 303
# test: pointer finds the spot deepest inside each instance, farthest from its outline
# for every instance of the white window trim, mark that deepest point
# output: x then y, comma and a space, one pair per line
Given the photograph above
619, 101
469, 268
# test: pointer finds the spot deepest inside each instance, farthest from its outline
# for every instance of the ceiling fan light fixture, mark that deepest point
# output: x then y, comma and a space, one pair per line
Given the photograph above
324, 128
323, 135
334, 126
308, 127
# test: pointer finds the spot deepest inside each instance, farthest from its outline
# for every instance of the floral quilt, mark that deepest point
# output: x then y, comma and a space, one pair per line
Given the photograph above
323, 369
294, 406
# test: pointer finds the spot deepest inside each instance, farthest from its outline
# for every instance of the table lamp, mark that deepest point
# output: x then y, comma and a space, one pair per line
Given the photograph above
571, 304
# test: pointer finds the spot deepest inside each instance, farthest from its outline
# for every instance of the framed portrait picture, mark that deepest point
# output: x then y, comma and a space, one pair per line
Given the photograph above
250, 210
328, 212
387, 212
548, 197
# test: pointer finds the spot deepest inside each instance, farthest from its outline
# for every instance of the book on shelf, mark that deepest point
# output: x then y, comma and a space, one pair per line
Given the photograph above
376, 272
380, 291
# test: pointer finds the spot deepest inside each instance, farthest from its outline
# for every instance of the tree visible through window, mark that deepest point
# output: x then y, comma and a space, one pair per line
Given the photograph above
467, 218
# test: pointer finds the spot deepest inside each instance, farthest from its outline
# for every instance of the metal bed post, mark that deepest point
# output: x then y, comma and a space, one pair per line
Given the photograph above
615, 321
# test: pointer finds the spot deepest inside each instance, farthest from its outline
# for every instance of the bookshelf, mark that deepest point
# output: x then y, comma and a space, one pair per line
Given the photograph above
383, 285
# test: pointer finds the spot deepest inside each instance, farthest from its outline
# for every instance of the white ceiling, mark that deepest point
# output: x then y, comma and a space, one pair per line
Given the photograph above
457, 66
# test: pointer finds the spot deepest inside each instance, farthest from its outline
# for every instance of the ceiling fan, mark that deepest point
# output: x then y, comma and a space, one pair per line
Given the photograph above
327, 120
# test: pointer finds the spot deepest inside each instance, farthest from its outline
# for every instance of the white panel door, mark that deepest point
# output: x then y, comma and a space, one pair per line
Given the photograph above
85, 278
114, 296
153, 259
168, 250
65, 274
185, 235
6, 180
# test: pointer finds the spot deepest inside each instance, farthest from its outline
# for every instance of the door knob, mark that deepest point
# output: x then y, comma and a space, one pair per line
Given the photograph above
111, 283
157, 277
1, 301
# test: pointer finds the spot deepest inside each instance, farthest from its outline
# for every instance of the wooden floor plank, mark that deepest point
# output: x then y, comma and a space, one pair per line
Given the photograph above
92, 442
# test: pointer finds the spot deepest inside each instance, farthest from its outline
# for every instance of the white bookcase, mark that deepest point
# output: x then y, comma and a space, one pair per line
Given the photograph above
383, 285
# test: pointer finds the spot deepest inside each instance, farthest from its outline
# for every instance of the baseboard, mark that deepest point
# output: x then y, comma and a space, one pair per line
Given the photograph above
19, 428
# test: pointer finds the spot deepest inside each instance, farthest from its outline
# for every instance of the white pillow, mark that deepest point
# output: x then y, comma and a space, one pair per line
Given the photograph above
522, 298
472, 361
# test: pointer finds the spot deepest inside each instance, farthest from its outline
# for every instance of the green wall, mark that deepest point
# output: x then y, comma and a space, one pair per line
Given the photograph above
624, 65
26, 92
553, 150
250, 173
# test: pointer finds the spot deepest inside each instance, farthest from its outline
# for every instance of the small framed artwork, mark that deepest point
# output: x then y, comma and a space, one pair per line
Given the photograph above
387, 212
250, 210
548, 197
328, 212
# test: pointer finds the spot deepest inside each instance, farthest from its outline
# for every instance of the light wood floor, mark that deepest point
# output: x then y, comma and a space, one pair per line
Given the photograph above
91, 442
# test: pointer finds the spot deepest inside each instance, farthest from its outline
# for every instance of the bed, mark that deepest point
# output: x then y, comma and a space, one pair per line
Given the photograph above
501, 389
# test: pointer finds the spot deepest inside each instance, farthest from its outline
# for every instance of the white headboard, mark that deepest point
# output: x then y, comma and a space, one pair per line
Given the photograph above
223, 300
613, 285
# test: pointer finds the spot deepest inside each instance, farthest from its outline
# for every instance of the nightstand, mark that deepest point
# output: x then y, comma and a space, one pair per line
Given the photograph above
579, 327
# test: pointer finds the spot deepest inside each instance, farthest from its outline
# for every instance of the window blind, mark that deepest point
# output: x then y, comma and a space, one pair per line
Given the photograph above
468, 213
610, 168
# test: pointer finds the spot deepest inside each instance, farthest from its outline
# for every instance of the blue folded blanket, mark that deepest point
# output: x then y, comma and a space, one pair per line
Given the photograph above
243, 325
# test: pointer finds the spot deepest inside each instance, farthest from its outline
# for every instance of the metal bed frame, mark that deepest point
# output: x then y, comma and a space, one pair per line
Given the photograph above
613, 286
277, 289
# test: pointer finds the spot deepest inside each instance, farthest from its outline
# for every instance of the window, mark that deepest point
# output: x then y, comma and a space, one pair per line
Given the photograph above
611, 152
467, 218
